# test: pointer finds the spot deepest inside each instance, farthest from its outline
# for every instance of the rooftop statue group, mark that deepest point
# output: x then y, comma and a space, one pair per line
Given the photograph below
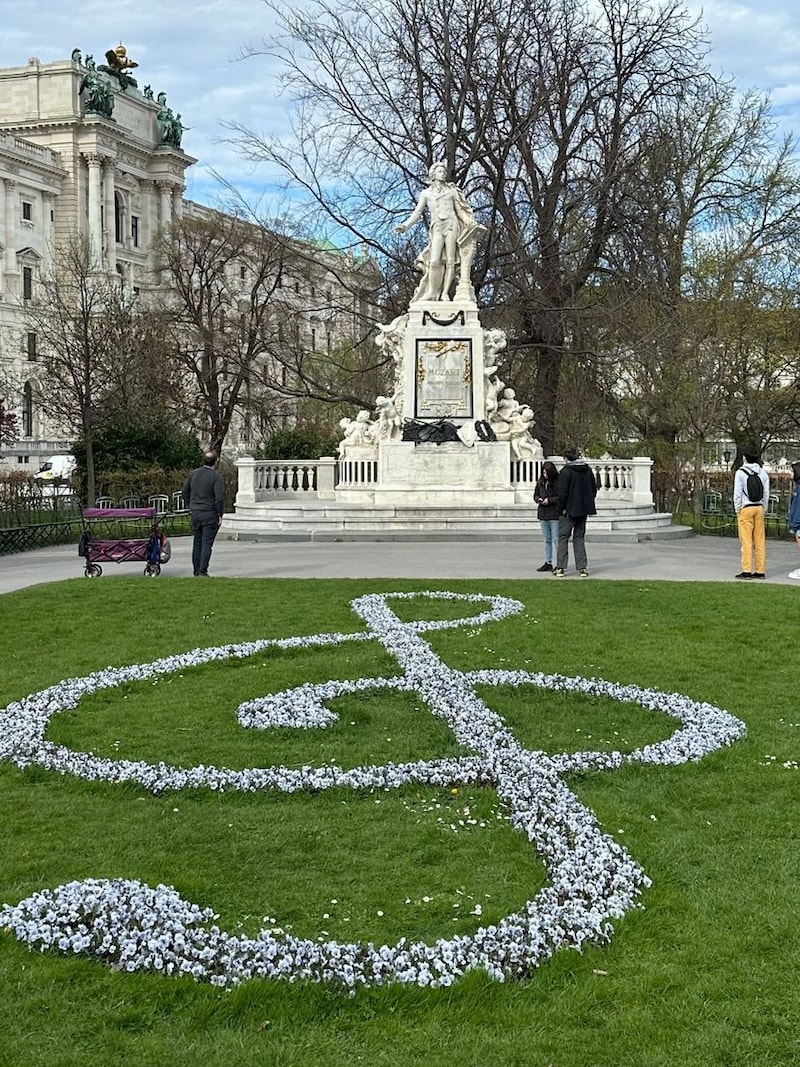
452, 238
169, 124
98, 90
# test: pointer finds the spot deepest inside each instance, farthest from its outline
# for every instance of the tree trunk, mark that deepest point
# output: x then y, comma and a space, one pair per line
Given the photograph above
90, 476
698, 477
547, 335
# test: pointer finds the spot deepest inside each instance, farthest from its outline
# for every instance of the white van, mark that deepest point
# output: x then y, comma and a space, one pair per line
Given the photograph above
54, 476
57, 468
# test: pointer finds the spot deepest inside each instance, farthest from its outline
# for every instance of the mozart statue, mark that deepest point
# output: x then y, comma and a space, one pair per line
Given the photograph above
453, 234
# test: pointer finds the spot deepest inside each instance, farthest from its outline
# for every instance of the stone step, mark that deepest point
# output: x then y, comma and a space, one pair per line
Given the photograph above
328, 520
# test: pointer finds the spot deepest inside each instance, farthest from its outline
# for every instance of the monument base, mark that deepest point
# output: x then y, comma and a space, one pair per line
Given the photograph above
429, 475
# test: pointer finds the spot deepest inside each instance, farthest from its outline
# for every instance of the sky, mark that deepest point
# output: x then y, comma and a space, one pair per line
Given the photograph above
190, 49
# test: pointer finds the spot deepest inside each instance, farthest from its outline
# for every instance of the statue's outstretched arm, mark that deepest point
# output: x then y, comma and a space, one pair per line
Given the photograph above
415, 215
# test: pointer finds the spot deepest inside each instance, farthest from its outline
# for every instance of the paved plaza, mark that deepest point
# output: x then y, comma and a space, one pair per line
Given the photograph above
695, 559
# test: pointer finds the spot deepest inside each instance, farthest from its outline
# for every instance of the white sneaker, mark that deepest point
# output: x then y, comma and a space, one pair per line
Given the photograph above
795, 575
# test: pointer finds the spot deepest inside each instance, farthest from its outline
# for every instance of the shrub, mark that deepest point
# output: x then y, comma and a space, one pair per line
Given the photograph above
140, 445
306, 442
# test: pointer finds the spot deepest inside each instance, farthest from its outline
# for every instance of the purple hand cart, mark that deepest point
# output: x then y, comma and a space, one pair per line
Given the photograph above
140, 539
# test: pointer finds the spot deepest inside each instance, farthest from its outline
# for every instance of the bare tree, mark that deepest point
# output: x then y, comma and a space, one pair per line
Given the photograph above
258, 321
86, 327
9, 424
709, 261
542, 111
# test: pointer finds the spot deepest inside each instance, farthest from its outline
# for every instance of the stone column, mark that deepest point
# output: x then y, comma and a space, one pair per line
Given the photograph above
246, 494
642, 485
109, 215
95, 164
177, 202
165, 205
10, 258
326, 472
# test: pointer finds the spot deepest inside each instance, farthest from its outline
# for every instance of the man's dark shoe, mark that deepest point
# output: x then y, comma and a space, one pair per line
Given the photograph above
545, 567
758, 574
744, 574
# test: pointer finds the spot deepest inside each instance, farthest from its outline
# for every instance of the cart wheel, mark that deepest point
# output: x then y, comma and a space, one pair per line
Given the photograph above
93, 570
152, 570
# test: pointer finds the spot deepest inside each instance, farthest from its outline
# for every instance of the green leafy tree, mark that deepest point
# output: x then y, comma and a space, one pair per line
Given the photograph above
127, 446
299, 443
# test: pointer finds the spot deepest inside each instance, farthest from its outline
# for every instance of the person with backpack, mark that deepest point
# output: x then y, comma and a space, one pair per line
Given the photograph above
750, 500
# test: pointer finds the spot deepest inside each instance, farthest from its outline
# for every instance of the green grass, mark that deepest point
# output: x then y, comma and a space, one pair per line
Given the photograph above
705, 974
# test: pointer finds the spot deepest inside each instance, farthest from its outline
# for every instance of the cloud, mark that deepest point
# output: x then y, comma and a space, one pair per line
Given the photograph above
191, 51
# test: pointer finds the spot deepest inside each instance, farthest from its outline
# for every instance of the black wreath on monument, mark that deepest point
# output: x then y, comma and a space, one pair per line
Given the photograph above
441, 431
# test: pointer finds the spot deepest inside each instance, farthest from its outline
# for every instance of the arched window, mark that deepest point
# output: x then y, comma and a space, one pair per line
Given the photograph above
119, 212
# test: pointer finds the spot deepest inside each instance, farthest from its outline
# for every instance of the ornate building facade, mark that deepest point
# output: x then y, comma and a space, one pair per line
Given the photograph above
84, 151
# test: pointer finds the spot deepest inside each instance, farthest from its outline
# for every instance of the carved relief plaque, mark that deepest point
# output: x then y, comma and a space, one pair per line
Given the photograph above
443, 379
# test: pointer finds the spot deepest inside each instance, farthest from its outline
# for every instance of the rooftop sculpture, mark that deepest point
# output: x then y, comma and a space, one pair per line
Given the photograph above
117, 65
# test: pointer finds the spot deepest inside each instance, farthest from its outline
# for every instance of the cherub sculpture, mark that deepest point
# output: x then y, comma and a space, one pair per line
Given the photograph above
492, 388
390, 341
389, 422
356, 432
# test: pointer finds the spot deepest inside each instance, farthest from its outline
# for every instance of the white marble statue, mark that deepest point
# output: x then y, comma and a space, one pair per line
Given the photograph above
390, 341
388, 425
493, 386
507, 407
453, 234
494, 341
516, 429
355, 432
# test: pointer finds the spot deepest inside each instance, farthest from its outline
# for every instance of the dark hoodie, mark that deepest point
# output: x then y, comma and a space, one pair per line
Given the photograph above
576, 489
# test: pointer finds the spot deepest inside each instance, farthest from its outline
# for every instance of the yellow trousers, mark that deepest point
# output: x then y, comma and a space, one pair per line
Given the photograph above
752, 538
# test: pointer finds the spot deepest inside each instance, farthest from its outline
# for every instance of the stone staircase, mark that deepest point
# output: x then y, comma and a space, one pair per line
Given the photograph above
329, 520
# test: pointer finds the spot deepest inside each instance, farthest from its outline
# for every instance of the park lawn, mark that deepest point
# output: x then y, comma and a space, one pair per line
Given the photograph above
704, 974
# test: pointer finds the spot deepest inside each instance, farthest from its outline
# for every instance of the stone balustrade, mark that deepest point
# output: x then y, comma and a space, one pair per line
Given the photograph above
275, 479
619, 481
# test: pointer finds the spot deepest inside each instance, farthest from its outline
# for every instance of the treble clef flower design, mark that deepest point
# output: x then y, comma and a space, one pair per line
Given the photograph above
593, 879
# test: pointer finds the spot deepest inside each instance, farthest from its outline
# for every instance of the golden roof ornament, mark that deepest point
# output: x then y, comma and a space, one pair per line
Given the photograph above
118, 64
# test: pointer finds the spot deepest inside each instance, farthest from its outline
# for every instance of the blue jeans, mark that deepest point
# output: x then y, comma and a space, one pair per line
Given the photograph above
549, 528
205, 525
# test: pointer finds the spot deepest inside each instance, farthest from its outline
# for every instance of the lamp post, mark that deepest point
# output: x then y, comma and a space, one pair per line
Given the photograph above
726, 455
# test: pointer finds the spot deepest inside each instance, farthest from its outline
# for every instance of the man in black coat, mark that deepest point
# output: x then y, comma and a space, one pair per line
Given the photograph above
577, 489
204, 496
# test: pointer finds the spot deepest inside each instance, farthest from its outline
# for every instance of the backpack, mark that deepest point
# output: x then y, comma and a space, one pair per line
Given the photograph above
755, 487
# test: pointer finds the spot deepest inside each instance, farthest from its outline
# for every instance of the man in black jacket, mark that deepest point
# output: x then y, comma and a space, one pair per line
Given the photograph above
577, 489
204, 496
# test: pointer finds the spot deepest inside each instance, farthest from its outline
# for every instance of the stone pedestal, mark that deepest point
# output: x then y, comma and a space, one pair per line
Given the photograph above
443, 369
428, 475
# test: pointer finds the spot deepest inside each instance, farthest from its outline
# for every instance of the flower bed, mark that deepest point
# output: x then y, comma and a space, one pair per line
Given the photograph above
592, 878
